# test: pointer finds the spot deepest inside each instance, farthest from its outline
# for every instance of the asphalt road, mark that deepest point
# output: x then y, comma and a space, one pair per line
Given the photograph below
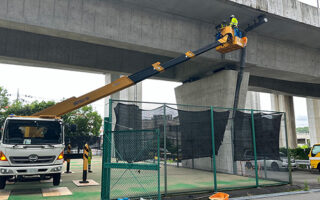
312, 179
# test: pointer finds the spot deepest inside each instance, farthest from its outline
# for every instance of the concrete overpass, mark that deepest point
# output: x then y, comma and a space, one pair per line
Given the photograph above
125, 36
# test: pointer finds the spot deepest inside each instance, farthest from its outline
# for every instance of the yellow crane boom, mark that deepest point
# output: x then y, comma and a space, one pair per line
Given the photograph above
74, 103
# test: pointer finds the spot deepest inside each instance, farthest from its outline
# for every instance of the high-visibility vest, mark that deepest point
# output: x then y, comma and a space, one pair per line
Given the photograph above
234, 22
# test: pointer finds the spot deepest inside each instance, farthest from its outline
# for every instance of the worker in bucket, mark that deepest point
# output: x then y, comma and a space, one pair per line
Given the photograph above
233, 21
234, 25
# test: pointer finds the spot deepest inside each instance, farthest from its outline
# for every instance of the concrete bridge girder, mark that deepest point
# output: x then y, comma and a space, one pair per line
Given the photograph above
124, 37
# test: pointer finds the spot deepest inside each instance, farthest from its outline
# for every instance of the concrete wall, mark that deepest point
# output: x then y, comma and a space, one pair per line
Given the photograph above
216, 90
313, 108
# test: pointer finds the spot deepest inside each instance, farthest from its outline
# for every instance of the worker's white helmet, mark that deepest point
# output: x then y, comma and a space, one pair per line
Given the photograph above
232, 16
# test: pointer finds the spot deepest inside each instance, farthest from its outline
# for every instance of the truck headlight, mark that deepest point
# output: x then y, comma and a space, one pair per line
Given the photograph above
56, 169
6, 171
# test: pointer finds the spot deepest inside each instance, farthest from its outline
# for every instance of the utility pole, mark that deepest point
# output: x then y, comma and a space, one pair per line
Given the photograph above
18, 95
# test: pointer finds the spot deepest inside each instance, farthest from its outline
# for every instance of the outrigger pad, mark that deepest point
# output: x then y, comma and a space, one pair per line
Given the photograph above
90, 183
55, 191
4, 194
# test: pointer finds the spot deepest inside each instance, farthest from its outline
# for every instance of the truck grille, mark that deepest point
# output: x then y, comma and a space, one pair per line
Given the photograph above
25, 160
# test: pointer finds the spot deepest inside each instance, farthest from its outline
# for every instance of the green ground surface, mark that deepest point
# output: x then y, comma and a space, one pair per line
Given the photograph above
132, 182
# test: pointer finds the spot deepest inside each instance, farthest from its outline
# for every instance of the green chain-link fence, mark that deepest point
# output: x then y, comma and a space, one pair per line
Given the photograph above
201, 148
131, 166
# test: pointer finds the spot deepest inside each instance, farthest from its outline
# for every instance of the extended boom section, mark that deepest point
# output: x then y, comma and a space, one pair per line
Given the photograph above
74, 103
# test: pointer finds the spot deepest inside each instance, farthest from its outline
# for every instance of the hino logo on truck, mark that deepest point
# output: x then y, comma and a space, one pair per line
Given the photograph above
33, 158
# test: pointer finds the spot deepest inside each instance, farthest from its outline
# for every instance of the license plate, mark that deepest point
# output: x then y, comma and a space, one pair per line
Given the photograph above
33, 171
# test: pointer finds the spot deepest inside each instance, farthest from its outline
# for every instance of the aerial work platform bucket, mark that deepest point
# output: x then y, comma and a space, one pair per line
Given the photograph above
219, 196
234, 42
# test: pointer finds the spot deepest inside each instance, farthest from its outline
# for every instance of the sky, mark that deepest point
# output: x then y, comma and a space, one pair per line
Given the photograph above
310, 2
35, 83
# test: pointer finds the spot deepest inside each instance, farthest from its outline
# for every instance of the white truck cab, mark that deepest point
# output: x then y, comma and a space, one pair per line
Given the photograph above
31, 146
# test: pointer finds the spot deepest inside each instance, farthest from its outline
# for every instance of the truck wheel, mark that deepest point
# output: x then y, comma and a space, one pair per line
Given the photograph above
248, 165
319, 167
56, 179
3, 180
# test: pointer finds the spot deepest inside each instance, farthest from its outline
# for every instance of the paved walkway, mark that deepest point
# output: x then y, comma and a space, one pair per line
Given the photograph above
299, 195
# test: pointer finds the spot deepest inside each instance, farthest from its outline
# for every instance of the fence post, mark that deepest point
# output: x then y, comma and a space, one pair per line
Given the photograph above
254, 148
287, 146
158, 152
165, 148
106, 156
104, 159
213, 151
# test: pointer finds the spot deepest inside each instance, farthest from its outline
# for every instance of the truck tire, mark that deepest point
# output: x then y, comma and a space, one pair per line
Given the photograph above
56, 179
3, 180
319, 167
248, 165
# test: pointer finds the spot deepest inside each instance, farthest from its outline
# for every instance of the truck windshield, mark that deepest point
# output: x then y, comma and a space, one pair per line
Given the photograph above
315, 150
30, 132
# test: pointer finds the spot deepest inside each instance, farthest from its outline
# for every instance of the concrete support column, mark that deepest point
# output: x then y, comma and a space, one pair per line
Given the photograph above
253, 100
133, 93
284, 103
108, 79
216, 90
313, 109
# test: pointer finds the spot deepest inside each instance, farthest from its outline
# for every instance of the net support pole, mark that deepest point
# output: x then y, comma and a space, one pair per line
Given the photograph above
105, 189
213, 151
108, 146
165, 149
177, 140
243, 54
265, 167
287, 146
254, 149
158, 161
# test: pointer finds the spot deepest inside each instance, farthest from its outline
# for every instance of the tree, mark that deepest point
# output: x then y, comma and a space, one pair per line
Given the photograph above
88, 124
4, 100
302, 129
88, 121
18, 108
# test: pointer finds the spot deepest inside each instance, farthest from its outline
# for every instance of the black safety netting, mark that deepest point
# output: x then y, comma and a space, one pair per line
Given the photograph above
186, 153
197, 132
267, 131
189, 133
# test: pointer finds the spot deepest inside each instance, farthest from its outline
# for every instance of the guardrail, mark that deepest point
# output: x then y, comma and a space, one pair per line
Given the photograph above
303, 162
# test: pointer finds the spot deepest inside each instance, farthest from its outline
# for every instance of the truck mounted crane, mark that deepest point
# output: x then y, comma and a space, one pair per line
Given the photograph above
34, 145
